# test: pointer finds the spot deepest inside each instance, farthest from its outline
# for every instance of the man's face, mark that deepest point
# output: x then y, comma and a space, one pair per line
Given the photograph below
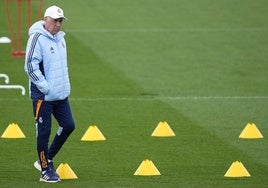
53, 25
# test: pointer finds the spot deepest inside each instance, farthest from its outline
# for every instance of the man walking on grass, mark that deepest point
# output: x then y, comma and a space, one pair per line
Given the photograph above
46, 67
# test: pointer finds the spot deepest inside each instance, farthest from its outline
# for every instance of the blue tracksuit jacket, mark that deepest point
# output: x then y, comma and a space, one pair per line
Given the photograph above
46, 64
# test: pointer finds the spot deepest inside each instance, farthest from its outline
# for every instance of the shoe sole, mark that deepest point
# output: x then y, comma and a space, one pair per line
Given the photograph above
44, 180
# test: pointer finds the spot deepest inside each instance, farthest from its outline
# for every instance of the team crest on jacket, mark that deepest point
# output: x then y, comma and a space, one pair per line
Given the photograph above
52, 50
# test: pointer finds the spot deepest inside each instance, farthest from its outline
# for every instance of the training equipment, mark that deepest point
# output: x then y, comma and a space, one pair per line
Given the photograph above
237, 169
93, 134
19, 14
147, 168
13, 131
251, 132
163, 130
65, 171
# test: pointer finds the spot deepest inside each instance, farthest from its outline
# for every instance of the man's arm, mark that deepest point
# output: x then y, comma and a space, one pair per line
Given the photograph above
34, 64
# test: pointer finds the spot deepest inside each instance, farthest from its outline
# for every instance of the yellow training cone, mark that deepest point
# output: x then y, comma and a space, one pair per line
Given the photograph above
163, 130
237, 169
250, 131
13, 131
93, 134
65, 172
147, 168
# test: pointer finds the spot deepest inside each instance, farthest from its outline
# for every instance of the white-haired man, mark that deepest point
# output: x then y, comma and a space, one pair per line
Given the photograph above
46, 67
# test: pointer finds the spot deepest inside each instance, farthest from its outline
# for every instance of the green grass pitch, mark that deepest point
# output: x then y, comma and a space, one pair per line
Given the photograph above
200, 65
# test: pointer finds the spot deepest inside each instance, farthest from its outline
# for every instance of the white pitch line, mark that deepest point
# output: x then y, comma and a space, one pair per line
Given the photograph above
158, 30
165, 30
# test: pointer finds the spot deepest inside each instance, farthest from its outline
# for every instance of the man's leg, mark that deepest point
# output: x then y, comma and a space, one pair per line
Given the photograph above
42, 113
62, 113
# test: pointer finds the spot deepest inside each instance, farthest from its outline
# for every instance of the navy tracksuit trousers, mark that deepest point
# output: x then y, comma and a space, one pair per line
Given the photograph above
43, 111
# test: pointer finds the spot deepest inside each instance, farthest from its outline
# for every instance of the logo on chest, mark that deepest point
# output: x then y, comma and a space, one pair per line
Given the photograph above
52, 51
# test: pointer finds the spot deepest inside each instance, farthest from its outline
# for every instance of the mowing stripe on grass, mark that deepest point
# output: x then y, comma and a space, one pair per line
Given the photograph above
155, 98
168, 98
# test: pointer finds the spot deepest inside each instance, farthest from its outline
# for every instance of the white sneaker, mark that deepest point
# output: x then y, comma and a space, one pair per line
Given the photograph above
37, 165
